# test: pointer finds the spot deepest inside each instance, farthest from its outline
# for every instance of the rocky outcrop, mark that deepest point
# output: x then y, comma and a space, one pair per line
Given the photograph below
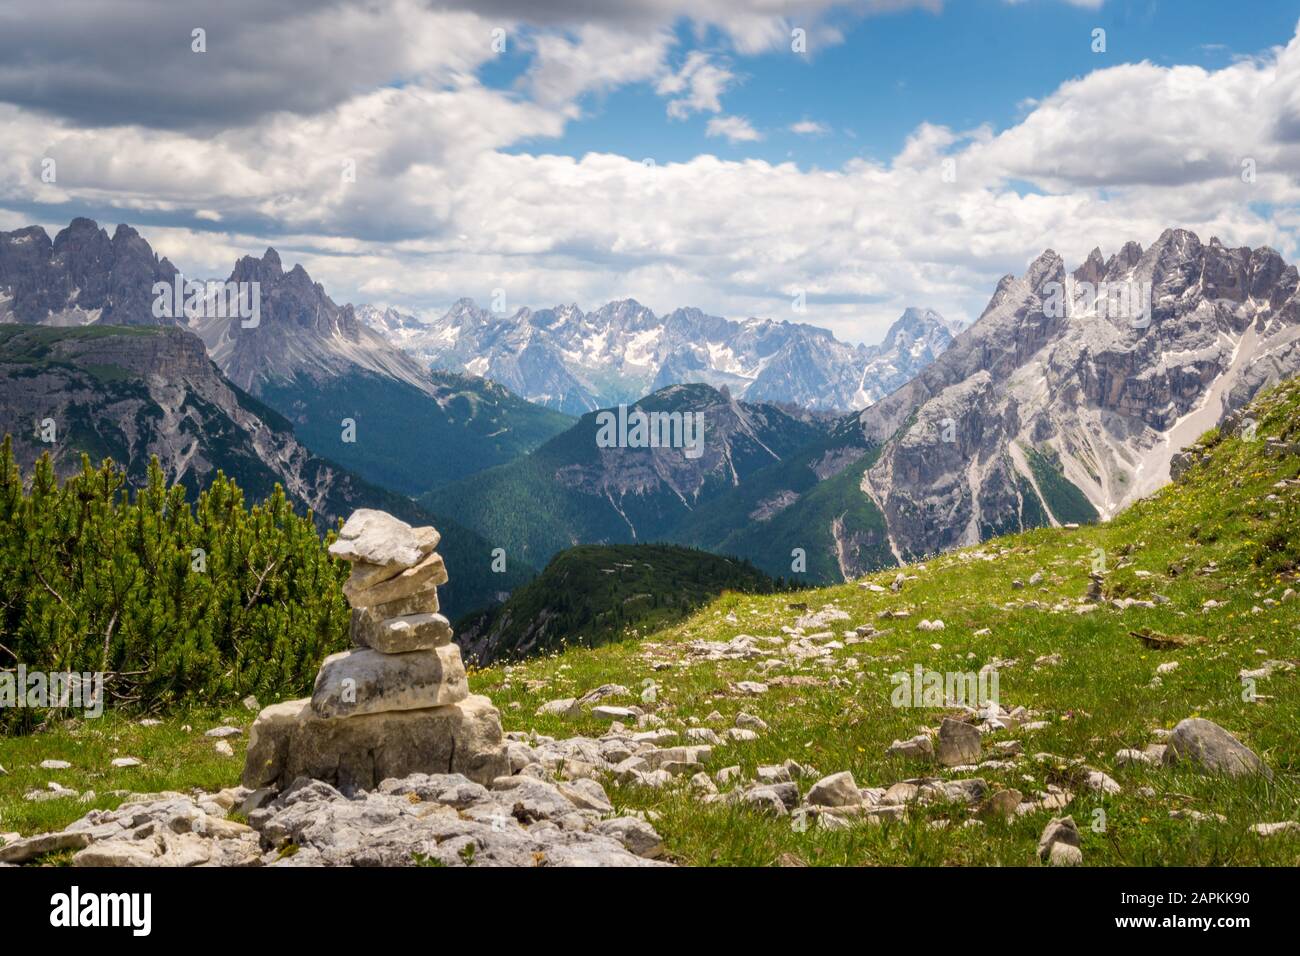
1074, 391
81, 277
418, 819
396, 704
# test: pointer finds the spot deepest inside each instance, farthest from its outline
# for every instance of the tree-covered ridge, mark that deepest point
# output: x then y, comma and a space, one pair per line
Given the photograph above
174, 601
594, 594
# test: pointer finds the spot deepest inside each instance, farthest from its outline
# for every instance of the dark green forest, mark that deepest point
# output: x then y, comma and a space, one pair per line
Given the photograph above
593, 594
173, 600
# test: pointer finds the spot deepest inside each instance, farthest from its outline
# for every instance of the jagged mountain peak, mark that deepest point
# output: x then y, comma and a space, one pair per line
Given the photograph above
578, 361
81, 277
1036, 417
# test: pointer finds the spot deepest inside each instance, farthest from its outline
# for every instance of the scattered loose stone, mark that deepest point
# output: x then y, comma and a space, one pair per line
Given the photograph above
604, 712
124, 762
1058, 830
221, 733
55, 765
1207, 745
1099, 782
1003, 804
23, 850
837, 790
959, 743
1063, 854
919, 746
1129, 756
564, 707
1273, 829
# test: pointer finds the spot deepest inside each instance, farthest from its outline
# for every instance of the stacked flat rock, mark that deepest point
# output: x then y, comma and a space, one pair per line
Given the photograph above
398, 702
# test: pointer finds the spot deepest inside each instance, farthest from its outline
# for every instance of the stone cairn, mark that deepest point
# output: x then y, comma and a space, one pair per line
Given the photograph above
398, 702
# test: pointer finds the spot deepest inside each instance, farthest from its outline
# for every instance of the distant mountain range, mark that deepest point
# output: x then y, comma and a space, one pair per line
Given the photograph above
1064, 402
318, 365
577, 361
306, 357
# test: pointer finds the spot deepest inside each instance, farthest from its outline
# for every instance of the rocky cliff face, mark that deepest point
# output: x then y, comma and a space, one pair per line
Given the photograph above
302, 334
134, 393
579, 361
82, 277
1077, 386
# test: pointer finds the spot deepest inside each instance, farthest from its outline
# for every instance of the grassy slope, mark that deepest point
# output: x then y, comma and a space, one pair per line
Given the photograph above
594, 594
1098, 700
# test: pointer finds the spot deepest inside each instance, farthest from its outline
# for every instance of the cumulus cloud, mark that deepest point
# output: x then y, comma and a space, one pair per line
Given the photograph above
453, 193
736, 129
809, 128
697, 87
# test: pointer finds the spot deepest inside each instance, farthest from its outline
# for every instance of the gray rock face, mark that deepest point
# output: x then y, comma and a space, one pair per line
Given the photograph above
83, 276
1207, 745
1100, 392
364, 681
289, 740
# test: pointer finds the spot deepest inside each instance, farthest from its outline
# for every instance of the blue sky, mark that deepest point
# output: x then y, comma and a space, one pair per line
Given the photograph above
525, 171
975, 62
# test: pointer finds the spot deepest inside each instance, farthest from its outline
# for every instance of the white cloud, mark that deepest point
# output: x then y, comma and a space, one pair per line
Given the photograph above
446, 202
736, 129
809, 127
595, 58
697, 87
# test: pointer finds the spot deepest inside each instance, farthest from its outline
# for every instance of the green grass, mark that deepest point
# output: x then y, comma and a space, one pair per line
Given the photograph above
1098, 700
175, 758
